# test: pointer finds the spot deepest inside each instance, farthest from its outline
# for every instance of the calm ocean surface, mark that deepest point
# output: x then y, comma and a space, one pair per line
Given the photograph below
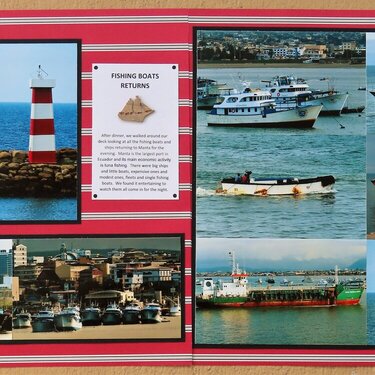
15, 124
370, 100
327, 149
343, 325
371, 318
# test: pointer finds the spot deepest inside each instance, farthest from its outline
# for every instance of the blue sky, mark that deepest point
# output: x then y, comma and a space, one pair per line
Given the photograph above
279, 253
370, 48
19, 63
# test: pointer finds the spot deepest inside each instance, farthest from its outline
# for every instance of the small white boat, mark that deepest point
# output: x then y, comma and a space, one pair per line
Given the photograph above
22, 320
68, 320
276, 186
175, 309
151, 313
91, 316
43, 321
131, 314
258, 109
112, 315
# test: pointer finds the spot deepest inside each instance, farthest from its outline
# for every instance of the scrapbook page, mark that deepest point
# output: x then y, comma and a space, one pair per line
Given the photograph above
186, 186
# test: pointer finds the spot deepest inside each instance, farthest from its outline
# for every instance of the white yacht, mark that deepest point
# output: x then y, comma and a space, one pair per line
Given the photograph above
257, 108
68, 319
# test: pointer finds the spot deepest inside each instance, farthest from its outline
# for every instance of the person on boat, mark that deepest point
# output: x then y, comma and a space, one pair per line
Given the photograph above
244, 179
248, 174
237, 178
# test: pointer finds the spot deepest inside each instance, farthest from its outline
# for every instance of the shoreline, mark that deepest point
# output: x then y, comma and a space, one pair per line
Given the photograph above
170, 329
221, 65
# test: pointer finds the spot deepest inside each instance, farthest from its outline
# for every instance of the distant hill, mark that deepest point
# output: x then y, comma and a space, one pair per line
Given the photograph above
285, 265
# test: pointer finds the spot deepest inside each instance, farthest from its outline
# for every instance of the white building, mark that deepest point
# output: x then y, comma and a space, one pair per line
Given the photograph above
20, 255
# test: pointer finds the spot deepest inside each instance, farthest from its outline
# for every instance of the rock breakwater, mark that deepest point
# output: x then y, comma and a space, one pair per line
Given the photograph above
18, 178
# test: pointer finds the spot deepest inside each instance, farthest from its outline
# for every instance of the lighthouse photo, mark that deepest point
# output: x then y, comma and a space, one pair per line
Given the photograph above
39, 126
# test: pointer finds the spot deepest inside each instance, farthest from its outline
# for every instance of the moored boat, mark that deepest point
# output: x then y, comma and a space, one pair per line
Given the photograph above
151, 313
258, 109
175, 308
237, 293
68, 320
209, 92
112, 315
43, 321
246, 185
131, 314
289, 91
22, 320
91, 316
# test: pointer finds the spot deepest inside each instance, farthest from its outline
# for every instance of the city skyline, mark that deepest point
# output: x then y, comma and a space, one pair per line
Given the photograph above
40, 246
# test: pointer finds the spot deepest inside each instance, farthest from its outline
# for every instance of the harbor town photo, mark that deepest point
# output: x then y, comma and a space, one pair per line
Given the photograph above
95, 288
280, 133
39, 127
280, 292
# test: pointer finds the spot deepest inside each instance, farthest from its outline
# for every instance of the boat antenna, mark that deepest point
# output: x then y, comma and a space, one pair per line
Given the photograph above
41, 73
336, 275
233, 261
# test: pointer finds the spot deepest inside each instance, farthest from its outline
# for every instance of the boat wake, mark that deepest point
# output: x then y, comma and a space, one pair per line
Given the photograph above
201, 192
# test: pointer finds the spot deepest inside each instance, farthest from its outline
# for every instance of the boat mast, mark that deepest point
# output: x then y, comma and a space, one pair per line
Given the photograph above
336, 275
233, 261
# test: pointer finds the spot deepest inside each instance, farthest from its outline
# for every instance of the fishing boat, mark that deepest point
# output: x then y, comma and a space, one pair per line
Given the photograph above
373, 181
68, 319
43, 321
209, 92
246, 185
257, 108
238, 293
22, 320
372, 92
151, 313
91, 316
175, 308
131, 314
289, 91
112, 315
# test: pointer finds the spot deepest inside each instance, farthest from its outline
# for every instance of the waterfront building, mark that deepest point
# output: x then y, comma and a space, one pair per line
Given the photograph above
6, 263
19, 255
28, 274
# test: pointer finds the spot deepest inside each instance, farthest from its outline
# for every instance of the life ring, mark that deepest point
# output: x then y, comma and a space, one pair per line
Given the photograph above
278, 94
302, 113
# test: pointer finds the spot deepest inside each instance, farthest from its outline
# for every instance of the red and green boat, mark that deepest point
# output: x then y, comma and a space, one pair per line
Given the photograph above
237, 293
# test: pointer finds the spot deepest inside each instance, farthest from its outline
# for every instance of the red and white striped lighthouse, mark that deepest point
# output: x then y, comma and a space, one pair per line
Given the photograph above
42, 147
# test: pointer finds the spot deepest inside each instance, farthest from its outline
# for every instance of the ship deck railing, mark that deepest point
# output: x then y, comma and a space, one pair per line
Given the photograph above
289, 287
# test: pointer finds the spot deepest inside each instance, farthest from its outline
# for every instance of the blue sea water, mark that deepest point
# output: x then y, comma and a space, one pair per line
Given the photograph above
326, 149
370, 70
15, 125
